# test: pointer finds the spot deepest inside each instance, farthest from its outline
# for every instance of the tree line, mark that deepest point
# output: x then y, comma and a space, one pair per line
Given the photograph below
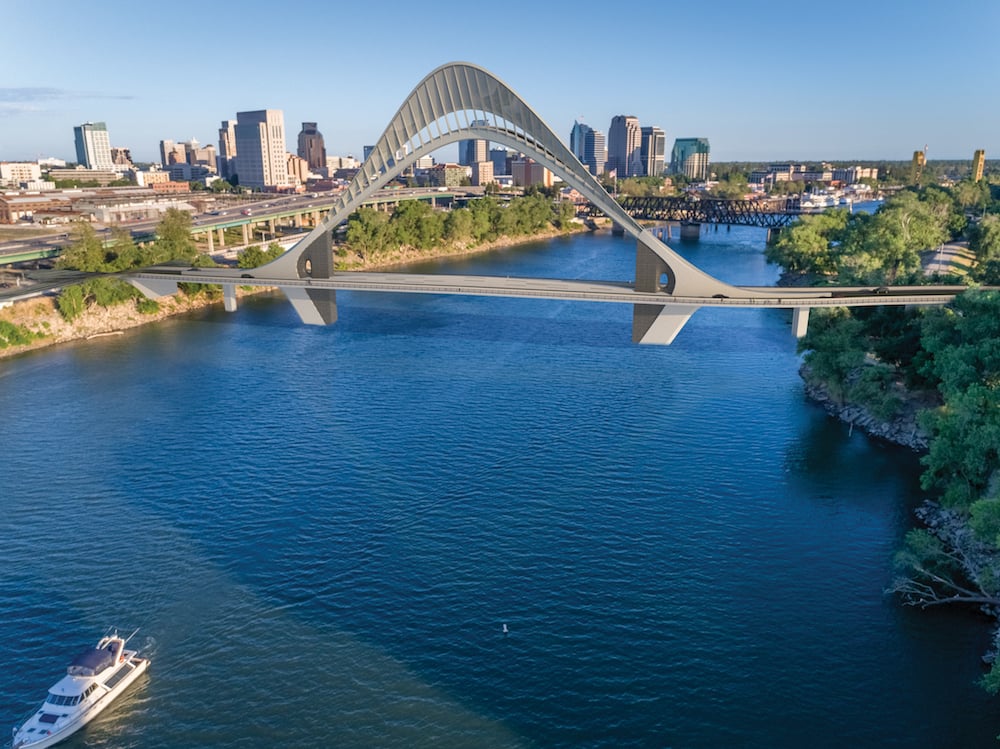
880, 356
174, 243
372, 234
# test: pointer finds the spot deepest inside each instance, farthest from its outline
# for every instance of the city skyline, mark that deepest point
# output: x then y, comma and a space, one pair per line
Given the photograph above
789, 82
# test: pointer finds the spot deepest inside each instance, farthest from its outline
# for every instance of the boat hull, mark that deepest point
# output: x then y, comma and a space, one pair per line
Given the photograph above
136, 667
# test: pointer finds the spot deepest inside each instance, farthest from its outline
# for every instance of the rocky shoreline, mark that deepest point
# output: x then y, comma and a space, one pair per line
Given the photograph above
904, 429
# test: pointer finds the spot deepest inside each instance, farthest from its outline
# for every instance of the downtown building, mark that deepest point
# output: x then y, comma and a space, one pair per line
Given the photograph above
588, 145
624, 147
474, 150
652, 151
690, 157
261, 161
225, 160
93, 146
311, 147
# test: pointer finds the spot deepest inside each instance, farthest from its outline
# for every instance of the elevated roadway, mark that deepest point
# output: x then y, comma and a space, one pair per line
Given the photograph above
657, 317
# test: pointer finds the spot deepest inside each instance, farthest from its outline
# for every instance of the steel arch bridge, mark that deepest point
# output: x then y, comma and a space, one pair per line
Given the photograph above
459, 101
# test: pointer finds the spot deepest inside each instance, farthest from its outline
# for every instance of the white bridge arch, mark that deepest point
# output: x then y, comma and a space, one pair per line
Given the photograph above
459, 101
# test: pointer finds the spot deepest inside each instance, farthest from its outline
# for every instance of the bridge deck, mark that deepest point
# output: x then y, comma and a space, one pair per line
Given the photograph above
621, 292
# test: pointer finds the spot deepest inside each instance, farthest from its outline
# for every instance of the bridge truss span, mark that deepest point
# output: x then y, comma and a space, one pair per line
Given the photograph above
768, 213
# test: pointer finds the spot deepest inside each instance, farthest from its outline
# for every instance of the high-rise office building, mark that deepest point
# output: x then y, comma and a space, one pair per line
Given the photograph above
311, 147
978, 163
652, 151
578, 139
588, 145
473, 150
93, 146
690, 157
171, 153
624, 140
122, 157
501, 160
261, 160
595, 152
197, 154
226, 158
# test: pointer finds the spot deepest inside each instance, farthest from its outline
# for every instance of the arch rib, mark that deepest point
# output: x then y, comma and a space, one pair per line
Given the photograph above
437, 113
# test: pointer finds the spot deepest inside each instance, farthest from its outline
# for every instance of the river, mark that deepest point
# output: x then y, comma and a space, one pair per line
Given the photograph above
323, 531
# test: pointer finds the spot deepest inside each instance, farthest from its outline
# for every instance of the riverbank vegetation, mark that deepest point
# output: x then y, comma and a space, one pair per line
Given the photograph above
946, 358
375, 237
101, 303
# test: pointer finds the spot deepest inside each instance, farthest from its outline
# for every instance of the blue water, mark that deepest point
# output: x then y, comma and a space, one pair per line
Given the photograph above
321, 531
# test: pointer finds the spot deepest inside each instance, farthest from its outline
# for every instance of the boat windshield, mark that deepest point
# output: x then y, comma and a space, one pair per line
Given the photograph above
63, 699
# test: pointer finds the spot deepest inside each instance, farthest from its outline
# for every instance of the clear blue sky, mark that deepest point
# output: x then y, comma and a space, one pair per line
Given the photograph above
763, 80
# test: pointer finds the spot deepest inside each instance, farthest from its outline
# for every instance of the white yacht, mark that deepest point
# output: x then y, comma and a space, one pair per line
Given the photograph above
92, 681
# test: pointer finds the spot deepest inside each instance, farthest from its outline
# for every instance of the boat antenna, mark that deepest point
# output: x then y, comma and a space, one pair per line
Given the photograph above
131, 636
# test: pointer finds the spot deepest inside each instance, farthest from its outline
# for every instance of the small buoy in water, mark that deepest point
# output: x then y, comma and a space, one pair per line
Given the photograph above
505, 628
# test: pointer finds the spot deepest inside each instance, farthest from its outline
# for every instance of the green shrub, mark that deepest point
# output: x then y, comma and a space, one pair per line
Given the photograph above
16, 335
108, 292
147, 306
71, 302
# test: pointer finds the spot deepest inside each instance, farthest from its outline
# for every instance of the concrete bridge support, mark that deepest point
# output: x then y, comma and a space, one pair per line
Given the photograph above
800, 321
222, 237
653, 323
652, 274
246, 234
211, 241
690, 231
229, 297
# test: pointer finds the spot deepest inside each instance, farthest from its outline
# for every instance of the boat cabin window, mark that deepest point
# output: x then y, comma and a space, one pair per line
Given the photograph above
89, 690
63, 699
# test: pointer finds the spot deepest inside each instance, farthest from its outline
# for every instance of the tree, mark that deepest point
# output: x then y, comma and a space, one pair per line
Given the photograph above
368, 233
417, 224
86, 250
807, 246
458, 225
963, 356
835, 347
565, 215
733, 187
984, 241
173, 238
935, 567
884, 248
124, 253
972, 196
256, 256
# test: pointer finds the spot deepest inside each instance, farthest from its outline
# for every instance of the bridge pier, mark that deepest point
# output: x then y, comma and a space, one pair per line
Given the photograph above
222, 237
800, 321
617, 230
229, 297
211, 242
690, 230
773, 235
